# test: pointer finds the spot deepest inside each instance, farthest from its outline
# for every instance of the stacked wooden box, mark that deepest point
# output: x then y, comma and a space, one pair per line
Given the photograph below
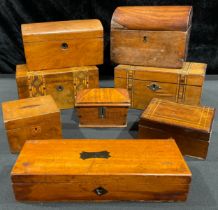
150, 44
61, 59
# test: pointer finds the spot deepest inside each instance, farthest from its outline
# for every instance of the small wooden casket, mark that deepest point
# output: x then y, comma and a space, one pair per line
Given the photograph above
29, 119
54, 45
102, 107
144, 170
144, 83
155, 36
190, 126
61, 84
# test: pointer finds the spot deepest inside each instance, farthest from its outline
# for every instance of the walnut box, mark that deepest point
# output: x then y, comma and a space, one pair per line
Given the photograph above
54, 45
102, 107
144, 83
61, 84
155, 36
100, 170
29, 119
190, 126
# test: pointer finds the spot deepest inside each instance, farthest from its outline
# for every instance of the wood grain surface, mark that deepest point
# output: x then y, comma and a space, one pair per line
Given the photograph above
153, 18
54, 171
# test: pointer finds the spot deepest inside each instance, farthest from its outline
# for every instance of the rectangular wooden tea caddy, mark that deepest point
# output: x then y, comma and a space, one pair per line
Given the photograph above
94, 170
31, 118
144, 83
54, 45
190, 126
151, 35
102, 107
61, 84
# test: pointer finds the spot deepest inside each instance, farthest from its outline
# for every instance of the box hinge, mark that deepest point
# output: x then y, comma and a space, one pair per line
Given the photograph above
80, 81
182, 83
36, 84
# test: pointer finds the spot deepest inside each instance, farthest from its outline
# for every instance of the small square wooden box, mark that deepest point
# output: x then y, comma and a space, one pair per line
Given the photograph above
102, 107
54, 45
144, 83
151, 35
29, 119
61, 84
190, 126
94, 170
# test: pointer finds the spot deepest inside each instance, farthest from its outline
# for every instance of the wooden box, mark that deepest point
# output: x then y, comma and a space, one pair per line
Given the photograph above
144, 83
190, 126
61, 84
106, 170
32, 118
54, 45
102, 107
155, 36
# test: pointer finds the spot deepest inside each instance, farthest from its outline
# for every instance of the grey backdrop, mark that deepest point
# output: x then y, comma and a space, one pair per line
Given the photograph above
204, 187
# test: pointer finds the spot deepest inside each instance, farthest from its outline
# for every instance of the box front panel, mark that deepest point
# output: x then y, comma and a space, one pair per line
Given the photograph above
188, 145
110, 187
66, 53
44, 128
149, 48
102, 116
63, 87
141, 92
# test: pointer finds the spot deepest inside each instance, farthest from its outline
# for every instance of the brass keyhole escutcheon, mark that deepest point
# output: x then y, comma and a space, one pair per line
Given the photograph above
64, 46
154, 87
59, 88
145, 39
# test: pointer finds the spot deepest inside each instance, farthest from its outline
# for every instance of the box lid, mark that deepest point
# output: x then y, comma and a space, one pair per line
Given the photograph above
103, 97
62, 30
199, 118
153, 18
20, 110
62, 161
191, 73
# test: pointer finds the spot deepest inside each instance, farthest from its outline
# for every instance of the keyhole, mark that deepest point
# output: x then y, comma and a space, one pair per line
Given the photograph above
36, 129
64, 46
145, 38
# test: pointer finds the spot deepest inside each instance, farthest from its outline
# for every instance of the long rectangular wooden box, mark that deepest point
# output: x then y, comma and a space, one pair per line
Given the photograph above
61, 84
190, 126
151, 35
150, 170
102, 107
31, 118
144, 83
54, 45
